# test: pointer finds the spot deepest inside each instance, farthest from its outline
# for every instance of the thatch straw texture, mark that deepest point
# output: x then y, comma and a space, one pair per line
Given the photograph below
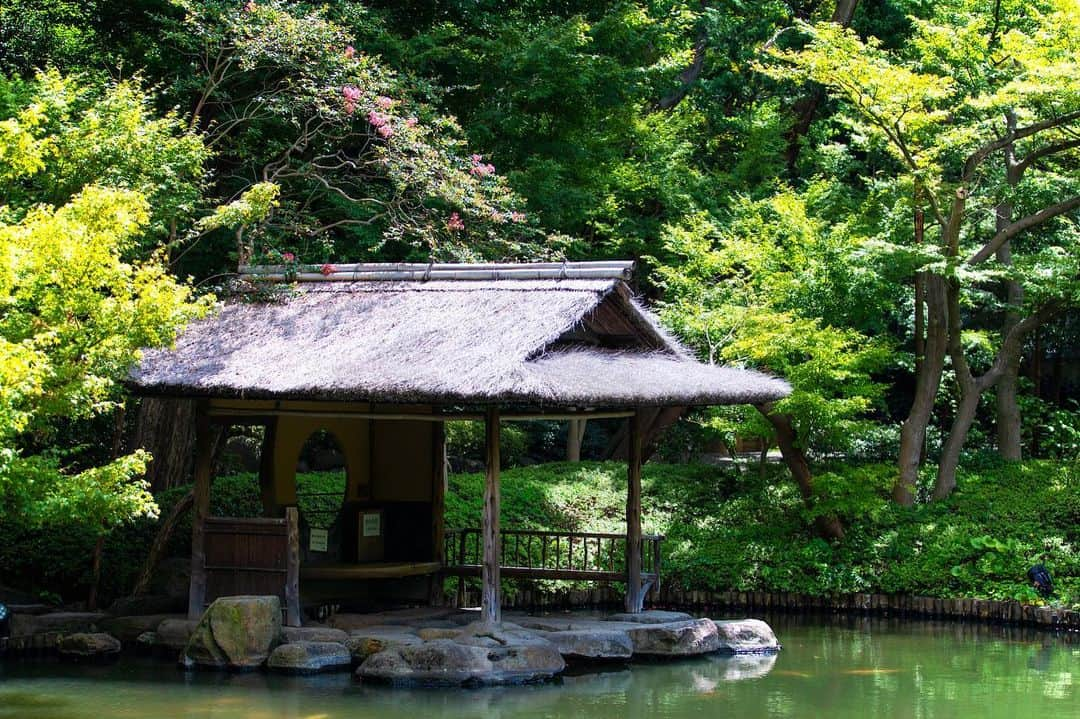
441, 342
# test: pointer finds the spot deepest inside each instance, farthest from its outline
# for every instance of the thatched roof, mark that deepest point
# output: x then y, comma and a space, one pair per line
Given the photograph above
537, 342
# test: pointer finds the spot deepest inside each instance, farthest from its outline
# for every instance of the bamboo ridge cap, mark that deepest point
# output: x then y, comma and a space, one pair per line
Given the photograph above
420, 272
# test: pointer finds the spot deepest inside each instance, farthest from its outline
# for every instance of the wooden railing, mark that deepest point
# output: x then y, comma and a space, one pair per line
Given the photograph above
530, 554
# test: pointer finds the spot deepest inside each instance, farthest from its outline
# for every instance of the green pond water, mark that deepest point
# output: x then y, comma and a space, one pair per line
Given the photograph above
828, 668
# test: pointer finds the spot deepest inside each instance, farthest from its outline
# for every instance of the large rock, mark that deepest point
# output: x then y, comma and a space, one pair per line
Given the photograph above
440, 662
746, 636
128, 629
85, 646
362, 644
25, 625
679, 639
651, 616
480, 655
173, 634
593, 644
235, 633
309, 658
315, 634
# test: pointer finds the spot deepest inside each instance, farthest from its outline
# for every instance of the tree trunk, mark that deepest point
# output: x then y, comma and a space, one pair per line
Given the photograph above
927, 382
795, 458
950, 453
99, 549
575, 434
161, 541
166, 429
1008, 408
806, 107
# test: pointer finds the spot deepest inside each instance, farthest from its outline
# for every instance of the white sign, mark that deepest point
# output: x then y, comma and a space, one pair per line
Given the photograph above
371, 525
317, 540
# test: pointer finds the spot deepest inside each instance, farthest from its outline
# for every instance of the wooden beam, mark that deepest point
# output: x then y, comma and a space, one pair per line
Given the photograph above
292, 567
490, 611
438, 509
203, 466
634, 597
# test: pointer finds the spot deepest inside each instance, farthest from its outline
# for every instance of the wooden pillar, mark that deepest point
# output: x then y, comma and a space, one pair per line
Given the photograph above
292, 567
201, 509
438, 509
489, 599
634, 596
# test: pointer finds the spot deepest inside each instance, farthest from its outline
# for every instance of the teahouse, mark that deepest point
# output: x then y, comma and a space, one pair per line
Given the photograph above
381, 355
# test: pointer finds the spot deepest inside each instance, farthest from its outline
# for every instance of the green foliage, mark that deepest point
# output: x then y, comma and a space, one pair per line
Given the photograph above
739, 296
465, 440
75, 310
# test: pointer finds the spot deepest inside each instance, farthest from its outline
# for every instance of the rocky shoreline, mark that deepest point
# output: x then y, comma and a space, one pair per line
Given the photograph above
424, 646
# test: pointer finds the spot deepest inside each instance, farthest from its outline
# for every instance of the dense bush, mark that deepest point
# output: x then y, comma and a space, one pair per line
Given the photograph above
725, 528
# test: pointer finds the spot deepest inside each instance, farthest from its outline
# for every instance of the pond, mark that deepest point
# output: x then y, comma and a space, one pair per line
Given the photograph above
829, 667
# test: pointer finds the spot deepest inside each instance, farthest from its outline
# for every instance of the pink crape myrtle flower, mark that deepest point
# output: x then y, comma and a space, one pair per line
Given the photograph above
455, 223
350, 52
384, 102
327, 270
352, 96
411, 122
479, 167
385, 131
250, 6
288, 257
377, 119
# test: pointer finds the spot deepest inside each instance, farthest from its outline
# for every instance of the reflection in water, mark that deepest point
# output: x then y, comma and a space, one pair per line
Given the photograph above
852, 667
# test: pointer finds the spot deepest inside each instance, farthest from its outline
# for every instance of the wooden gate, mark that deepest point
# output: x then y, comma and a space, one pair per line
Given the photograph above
253, 556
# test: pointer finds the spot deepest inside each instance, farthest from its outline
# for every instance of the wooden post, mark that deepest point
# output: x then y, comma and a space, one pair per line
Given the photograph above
292, 567
203, 465
634, 598
438, 510
489, 597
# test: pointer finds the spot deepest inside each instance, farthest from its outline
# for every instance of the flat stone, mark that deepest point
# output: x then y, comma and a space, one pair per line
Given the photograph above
147, 604
314, 634
746, 636
309, 657
87, 646
515, 658
128, 629
235, 633
25, 625
411, 617
678, 639
174, 633
440, 662
651, 616
592, 643
362, 645
439, 632
33, 608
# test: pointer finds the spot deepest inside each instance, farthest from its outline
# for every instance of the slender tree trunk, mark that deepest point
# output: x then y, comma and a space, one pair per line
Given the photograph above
1008, 408
806, 107
161, 541
575, 434
950, 453
795, 458
92, 595
927, 382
